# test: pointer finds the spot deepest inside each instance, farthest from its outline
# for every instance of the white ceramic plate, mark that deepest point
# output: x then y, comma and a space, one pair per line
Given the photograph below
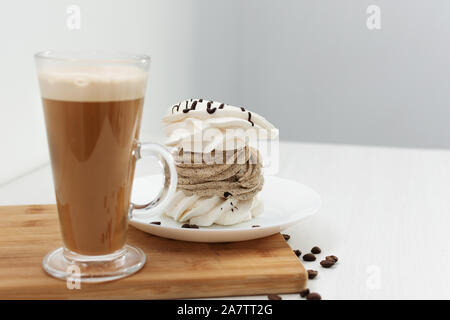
286, 203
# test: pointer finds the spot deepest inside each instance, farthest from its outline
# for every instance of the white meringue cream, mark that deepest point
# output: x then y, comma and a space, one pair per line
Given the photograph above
205, 211
202, 126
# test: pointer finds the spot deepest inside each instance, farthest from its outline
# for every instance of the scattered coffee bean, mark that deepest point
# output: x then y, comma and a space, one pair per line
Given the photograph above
312, 274
304, 293
274, 297
297, 252
256, 226
332, 258
309, 257
327, 263
316, 250
158, 223
190, 226
313, 296
286, 237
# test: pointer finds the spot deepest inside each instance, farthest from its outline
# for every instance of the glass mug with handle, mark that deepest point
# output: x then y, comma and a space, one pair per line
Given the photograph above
93, 107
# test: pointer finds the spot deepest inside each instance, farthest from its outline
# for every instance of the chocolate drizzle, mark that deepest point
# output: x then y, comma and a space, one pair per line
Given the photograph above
176, 106
209, 109
249, 118
186, 109
193, 105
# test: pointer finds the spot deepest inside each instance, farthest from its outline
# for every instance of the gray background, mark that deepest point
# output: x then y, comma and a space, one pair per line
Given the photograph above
311, 67
316, 71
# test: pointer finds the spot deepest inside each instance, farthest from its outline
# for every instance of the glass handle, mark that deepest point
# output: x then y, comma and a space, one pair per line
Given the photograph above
157, 205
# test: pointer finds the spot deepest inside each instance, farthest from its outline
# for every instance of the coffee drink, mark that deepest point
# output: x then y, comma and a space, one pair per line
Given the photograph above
93, 115
93, 105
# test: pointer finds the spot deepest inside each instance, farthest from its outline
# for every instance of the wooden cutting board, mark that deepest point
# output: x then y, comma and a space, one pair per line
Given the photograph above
174, 269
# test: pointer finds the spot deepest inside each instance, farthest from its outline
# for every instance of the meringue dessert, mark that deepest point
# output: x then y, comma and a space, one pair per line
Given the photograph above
218, 162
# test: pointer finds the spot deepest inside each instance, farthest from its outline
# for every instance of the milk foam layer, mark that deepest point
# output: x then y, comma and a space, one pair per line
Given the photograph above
92, 83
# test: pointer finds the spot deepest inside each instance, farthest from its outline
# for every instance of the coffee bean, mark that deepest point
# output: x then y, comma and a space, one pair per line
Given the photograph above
316, 250
332, 258
327, 263
158, 223
286, 237
312, 274
309, 257
297, 252
313, 296
274, 297
304, 293
190, 226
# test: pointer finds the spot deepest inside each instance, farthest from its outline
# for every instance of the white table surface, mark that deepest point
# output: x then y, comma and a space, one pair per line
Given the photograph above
385, 214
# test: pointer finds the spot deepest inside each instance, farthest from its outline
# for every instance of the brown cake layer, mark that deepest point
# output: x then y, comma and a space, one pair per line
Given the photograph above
239, 176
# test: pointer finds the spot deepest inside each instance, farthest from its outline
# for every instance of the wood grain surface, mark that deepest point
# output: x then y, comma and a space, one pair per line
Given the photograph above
174, 269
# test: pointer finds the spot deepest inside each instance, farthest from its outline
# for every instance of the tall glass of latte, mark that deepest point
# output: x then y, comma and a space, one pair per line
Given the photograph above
93, 105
